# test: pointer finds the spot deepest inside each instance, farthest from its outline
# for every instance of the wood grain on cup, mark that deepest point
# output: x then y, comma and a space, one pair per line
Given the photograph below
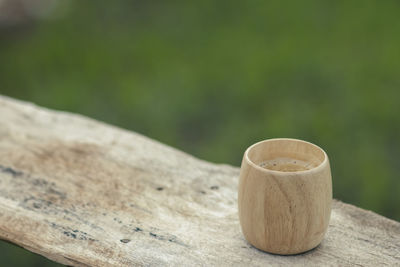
285, 195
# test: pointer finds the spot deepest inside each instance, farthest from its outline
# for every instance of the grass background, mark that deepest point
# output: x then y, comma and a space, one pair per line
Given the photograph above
213, 77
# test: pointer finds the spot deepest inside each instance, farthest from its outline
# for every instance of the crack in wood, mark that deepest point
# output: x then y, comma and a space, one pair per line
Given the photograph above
73, 233
11, 171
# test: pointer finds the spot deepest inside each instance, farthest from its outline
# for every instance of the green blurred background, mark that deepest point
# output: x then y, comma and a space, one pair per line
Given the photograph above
213, 77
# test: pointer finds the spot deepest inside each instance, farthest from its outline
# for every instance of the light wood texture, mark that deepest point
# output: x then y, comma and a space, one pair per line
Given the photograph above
285, 205
84, 193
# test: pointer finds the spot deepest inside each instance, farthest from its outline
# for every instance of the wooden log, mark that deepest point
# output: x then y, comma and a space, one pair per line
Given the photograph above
84, 193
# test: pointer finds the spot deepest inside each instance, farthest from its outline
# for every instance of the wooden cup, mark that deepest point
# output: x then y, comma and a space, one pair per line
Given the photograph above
285, 195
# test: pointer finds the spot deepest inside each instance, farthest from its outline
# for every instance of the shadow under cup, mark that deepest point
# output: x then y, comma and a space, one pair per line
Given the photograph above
285, 195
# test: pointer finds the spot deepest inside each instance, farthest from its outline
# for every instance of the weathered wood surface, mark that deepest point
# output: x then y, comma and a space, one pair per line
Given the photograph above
84, 193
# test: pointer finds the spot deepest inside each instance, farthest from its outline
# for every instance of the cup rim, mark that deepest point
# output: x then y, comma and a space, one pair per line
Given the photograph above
315, 169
